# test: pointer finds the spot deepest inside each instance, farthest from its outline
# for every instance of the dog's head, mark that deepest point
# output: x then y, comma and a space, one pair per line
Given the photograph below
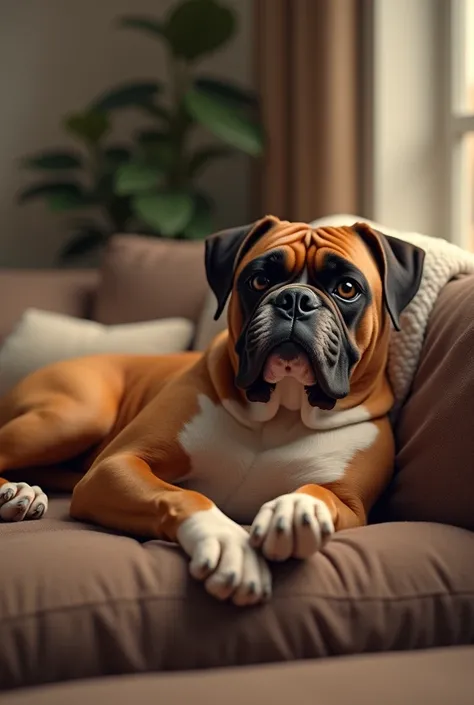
307, 303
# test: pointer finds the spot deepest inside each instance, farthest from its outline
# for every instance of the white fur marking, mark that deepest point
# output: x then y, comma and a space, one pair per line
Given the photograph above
19, 501
295, 525
221, 554
290, 394
241, 468
304, 276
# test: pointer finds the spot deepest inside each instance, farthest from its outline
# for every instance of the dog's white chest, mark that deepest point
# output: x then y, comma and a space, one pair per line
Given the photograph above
240, 468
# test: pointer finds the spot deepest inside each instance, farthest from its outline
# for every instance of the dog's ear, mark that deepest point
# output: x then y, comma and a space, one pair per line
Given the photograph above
400, 264
225, 250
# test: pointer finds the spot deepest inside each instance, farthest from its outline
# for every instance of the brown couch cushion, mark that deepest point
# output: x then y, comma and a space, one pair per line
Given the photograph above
65, 291
76, 601
143, 278
435, 478
437, 677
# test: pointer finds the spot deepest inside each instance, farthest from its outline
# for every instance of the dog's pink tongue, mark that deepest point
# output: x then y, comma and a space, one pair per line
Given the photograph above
277, 367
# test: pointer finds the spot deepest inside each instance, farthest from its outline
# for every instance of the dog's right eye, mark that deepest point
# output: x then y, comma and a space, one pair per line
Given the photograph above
259, 282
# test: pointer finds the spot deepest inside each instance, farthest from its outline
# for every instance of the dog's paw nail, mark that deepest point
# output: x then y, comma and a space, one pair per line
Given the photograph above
252, 588
256, 532
7, 496
266, 594
230, 579
39, 510
280, 525
326, 528
305, 520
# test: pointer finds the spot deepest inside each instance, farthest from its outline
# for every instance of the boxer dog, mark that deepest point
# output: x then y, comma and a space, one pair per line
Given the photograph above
282, 423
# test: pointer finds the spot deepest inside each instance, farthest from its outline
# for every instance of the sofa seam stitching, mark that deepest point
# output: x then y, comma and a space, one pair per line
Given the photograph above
350, 600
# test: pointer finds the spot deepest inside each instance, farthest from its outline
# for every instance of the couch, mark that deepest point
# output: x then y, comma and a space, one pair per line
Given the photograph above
384, 613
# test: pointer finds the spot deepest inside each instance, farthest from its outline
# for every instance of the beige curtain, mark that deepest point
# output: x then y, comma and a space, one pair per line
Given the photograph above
308, 56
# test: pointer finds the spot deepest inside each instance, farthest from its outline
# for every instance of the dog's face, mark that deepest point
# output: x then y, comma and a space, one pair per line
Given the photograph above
308, 304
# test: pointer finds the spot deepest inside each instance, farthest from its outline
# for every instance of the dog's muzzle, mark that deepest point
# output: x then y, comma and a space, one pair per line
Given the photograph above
289, 359
294, 333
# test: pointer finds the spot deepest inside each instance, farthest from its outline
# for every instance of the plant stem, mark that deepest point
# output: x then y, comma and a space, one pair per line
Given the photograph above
113, 208
181, 124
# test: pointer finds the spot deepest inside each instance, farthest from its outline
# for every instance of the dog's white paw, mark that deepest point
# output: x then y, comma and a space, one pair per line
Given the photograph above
221, 555
20, 501
294, 525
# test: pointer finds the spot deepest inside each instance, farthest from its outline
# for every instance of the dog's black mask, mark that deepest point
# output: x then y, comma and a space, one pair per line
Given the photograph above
295, 318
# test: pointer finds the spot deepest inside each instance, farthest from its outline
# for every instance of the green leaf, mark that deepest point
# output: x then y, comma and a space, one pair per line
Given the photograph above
135, 178
83, 241
236, 95
127, 95
203, 156
225, 121
90, 126
168, 212
199, 27
68, 190
52, 161
115, 156
145, 24
200, 225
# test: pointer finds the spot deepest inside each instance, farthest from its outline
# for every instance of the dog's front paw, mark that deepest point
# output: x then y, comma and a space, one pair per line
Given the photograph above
221, 555
20, 501
294, 525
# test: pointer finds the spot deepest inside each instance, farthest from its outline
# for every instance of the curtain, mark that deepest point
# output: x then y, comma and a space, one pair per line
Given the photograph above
308, 70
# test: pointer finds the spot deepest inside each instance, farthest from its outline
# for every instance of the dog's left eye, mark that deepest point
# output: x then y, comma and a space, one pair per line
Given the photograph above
347, 290
259, 282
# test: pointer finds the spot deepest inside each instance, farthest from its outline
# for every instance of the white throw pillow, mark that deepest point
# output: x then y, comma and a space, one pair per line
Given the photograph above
42, 337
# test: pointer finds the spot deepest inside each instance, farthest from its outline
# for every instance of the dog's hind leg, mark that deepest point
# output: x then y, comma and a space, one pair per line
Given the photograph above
47, 419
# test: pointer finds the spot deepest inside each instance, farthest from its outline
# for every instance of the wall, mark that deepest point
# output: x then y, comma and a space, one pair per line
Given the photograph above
406, 157
55, 56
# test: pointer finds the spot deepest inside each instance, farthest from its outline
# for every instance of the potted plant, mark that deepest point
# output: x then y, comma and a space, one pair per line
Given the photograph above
150, 185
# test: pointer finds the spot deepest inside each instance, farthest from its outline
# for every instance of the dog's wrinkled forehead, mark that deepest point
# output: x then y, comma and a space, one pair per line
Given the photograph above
302, 247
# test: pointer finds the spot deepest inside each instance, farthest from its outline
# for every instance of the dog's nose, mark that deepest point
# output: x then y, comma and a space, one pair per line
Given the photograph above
297, 303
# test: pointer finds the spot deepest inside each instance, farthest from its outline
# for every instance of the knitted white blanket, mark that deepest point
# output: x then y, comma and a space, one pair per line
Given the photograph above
443, 262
